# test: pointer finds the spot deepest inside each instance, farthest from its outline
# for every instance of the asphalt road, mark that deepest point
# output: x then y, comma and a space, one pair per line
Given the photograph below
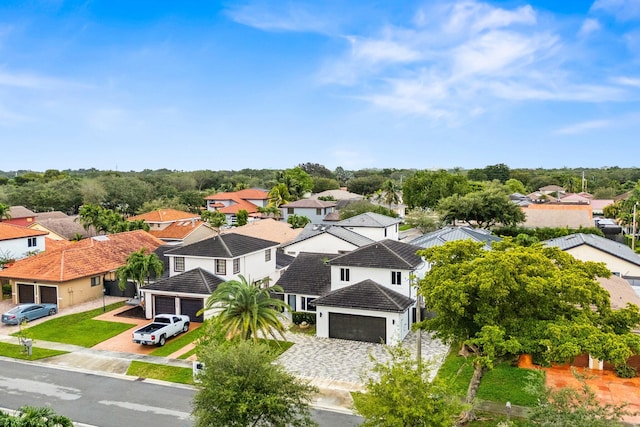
108, 401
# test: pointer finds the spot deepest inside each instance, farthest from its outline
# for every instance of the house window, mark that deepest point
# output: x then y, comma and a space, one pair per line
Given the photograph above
318, 211
289, 211
305, 304
236, 266
267, 255
385, 232
95, 281
221, 266
178, 263
396, 277
344, 274
31, 242
291, 300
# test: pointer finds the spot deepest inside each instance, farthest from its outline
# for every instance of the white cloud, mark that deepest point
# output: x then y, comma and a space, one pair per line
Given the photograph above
579, 128
381, 51
281, 17
30, 81
628, 81
589, 25
622, 10
8, 117
476, 17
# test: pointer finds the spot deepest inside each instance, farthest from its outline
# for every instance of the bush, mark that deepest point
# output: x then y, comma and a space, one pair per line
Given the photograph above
6, 289
626, 371
298, 317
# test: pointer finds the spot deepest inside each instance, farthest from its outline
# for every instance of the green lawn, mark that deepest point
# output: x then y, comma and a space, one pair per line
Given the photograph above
16, 351
503, 383
172, 374
175, 344
78, 329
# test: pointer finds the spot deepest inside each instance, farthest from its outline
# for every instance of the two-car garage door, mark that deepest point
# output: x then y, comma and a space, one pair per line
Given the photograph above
358, 328
27, 293
189, 306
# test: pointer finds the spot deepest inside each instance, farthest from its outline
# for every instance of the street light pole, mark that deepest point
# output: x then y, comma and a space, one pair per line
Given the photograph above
104, 291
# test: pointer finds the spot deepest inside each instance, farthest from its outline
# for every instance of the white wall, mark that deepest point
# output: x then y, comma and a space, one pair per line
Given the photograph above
381, 276
615, 264
397, 323
19, 248
149, 300
322, 243
377, 233
308, 212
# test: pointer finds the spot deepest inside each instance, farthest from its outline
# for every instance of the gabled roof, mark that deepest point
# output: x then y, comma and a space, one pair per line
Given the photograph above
164, 215
11, 231
196, 281
552, 188
178, 230
390, 254
308, 274
605, 245
66, 227
268, 229
223, 246
239, 205
369, 219
40, 216
283, 260
17, 212
338, 195
449, 234
249, 193
366, 295
87, 257
312, 230
309, 203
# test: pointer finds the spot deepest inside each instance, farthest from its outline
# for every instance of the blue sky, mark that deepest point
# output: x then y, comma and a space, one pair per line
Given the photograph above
187, 85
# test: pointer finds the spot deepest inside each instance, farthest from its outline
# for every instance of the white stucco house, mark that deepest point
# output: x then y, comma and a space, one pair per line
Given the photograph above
314, 209
17, 242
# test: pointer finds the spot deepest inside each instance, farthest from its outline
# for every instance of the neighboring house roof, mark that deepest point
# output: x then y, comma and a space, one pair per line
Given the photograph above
249, 193
20, 212
389, 254
66, 228
87, 257
223, 246
620, 292
312, 230
239, 205
309, 203
178, 230
450, 234
369, 219
332, 216
308, 274
598, 205
605, 245
164, 215
338, 195
268, 229
10, 232
283, 260
196, 281
367, 295
557, 215
50, 215
574, 198
552, 188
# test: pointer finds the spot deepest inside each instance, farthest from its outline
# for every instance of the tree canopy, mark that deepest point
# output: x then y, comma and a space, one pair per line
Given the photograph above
425, 188
140, 267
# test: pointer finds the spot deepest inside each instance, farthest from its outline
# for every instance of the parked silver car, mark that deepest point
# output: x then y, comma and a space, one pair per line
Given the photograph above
27, 312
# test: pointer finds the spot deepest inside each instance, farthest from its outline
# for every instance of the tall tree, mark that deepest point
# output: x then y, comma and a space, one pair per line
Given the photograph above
389, 194
297, 181
241, 387
247, 309
214, 218
511, 300
279, 195
140, 267
425, 188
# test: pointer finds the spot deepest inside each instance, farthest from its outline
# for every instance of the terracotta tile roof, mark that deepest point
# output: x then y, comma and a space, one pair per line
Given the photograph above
267, 229
250, 193
164, 215
10, 232
239, 205
53, 244
85, 258
178, 229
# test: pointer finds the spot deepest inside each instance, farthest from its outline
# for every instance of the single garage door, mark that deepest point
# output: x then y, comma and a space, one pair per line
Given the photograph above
26, 293
357, 328
164, 305
190, 307
48, 294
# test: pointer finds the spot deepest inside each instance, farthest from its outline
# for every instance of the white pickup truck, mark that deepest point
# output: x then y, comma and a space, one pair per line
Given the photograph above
162, 327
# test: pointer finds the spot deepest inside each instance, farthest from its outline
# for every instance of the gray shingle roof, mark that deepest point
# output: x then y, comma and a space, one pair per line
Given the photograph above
450, 234
367, 295
606, 245
282, 259
66, 227
230, 245
308, 274
309, 203
384, 254
196, 281
369, 219
312, 230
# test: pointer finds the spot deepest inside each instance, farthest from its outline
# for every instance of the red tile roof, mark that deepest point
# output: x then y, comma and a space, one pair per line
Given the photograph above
239, 205
85, 258
250, 193
11, 231
178, 230
164, 215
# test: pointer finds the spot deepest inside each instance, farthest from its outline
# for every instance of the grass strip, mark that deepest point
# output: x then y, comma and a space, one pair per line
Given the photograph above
167, 373
175, 344
16, 351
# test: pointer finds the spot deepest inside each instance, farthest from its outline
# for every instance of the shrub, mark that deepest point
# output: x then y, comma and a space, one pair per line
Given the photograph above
298, 317
6, 289
626, 371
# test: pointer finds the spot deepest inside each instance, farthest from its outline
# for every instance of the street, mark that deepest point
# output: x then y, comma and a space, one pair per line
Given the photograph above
108, 401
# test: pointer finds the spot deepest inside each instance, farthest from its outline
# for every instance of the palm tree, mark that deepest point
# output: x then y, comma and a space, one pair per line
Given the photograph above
279, 195
389, 193
270, 210
4, 212
215, 219
139, 267
248, 309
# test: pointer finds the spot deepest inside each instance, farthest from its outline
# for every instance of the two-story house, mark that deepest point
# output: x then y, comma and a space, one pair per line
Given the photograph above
372, 225
314, 209
230, 203
175, 227
17, 242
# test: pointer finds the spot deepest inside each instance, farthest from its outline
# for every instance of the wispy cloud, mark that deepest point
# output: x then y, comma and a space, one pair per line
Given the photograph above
628, 81
622, 10
589, 26
579, 128
282, 16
